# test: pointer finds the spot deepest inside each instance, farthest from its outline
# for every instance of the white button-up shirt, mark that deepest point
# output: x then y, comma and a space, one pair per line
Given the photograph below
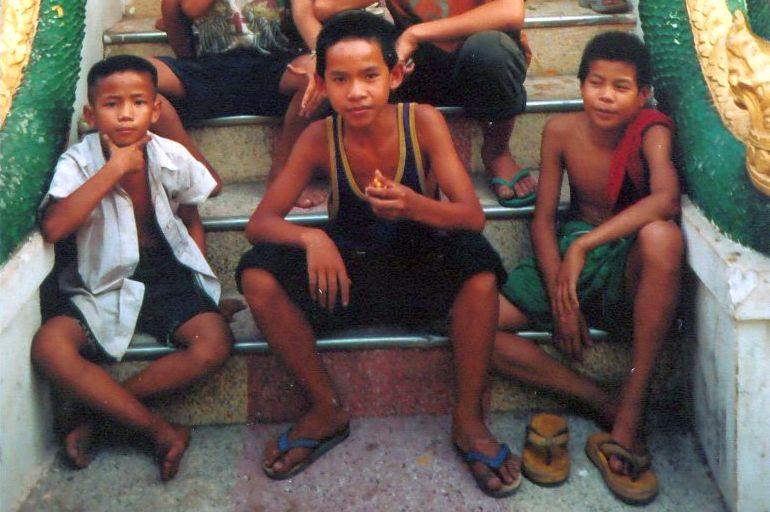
107, 242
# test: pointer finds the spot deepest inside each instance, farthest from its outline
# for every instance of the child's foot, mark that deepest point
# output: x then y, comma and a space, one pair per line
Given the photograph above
505, 171
316, 425
313, 195
80, 444
170, 447
474, 438
608, 6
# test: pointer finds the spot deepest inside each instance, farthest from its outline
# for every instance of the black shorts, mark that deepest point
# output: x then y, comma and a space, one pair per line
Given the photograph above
413, 284
485, 76
171, 298
239, 82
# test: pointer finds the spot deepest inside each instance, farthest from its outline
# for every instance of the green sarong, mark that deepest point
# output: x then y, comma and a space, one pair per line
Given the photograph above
600, 286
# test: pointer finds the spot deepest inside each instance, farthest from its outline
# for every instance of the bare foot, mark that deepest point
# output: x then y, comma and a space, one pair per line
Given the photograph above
229, 307
314, 425
80, 445
313, 195
160, 24
471, 436
170, 447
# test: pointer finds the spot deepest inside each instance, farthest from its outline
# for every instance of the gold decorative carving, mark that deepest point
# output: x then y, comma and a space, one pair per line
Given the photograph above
18, 22
711, 21
749, 78
736, 67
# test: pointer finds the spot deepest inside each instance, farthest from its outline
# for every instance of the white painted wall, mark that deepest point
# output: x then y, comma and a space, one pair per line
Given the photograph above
26, 436
731, 383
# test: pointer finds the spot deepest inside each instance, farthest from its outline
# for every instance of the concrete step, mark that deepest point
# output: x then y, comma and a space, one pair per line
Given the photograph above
546, 21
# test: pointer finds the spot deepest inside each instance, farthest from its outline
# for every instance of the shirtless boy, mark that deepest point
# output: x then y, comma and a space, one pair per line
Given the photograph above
299, 280
615, 262
129, 200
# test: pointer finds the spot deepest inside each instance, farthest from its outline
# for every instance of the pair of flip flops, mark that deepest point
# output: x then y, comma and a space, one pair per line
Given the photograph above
493, 463
317, 448
515, 201
545, 460
606, 6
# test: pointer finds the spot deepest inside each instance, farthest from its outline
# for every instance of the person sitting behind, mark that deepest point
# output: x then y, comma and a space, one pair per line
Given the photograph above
392, 253
618, 256
129, 199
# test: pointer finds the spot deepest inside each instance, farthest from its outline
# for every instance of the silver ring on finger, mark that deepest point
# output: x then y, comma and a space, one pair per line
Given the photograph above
321, 292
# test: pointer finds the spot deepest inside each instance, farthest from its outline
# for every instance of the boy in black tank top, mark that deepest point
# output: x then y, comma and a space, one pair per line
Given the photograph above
393, 253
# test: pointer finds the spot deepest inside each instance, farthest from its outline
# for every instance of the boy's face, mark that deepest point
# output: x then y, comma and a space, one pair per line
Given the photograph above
124, 106
357, 80
611, 97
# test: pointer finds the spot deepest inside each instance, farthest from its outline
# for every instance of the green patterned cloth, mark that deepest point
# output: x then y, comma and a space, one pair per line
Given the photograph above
600, 286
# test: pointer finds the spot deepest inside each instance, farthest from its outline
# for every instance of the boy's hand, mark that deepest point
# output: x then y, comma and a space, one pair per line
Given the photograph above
388, 199
566, 281
571, 334
406, 45
229, 307
128, 159
327, 274
313, 96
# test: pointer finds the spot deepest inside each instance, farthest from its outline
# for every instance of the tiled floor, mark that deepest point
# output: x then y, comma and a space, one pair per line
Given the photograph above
388, 464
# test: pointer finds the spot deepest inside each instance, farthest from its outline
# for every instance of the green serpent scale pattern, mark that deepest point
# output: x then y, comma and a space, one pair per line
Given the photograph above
711, 160
35, 132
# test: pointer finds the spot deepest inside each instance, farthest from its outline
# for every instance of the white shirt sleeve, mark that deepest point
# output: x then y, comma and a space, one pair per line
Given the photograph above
68, 176
200, 183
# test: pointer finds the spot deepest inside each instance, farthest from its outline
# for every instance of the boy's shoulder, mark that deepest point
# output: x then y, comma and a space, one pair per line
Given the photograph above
565, 123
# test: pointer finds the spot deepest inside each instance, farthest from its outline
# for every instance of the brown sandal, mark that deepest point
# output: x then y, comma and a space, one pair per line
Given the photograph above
640, 486
545, 458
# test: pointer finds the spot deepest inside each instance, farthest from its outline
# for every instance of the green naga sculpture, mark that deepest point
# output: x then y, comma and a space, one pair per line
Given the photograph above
40, 43
712, 74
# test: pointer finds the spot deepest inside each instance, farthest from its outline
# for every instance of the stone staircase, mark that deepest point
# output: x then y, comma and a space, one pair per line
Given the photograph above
380, 371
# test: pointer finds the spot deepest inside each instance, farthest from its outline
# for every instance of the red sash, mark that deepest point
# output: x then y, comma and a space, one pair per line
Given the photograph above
627, 159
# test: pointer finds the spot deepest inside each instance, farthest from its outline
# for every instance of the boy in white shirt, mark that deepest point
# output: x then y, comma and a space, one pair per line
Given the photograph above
129, 199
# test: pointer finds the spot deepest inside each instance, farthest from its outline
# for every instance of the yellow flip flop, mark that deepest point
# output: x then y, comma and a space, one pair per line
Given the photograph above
545, 458
640, 486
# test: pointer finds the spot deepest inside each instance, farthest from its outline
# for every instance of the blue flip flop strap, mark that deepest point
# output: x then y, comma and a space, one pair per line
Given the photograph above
523, 173
284, 444
493, 463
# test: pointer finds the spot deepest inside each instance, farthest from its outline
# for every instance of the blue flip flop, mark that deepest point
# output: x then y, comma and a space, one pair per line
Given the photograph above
515, 201
317, 446
493, 463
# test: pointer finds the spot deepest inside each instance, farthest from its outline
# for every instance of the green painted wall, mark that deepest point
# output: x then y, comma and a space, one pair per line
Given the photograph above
36, 129
709, 157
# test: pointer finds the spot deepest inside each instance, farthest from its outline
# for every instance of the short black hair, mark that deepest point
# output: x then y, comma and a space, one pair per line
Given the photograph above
356, 24
118, 64
618, 46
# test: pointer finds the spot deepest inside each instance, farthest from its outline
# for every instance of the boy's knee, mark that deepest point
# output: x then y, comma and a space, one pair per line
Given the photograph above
259, 287
51, 345
661, 244
481, 284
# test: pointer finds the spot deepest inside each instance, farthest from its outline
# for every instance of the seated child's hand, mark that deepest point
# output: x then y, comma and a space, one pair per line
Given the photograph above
127, 158
388, 199
229, 307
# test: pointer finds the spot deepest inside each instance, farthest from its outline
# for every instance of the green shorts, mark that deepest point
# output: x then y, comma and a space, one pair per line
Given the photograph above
600, 287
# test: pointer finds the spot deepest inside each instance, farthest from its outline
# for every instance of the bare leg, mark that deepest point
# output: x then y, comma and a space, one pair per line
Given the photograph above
293, 123
526, 361
653, 272
55, 351
169, 124
498, 160
472, 332
291, 337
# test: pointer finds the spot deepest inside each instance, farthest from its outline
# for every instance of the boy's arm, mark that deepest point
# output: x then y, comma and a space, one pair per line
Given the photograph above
462, 211
503, 15
178, 27
326, 270
63, 217
304, 17
192, 221
570, 329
